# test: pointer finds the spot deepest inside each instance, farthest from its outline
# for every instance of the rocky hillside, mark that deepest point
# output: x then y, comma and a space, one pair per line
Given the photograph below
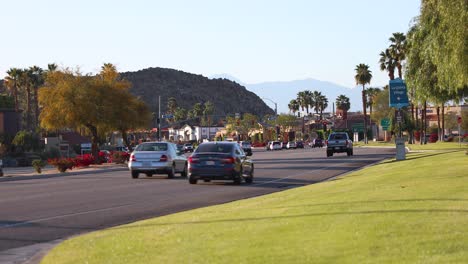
188, 89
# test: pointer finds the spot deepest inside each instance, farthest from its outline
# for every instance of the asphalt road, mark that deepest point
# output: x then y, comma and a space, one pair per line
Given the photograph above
42, 210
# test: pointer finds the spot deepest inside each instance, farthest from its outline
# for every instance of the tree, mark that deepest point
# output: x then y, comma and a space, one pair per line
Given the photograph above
315, 101
387, 63
445, 44
36, 76
398, 50
98, 103
342, 102
363, 76
171, 105
322, 104
180, 114
371, 93
12, 83
208, 110
242, 126
293, 106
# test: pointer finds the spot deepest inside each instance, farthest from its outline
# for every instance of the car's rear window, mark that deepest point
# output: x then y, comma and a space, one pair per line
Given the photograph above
337, 136
276, 143
152, 147
217, 148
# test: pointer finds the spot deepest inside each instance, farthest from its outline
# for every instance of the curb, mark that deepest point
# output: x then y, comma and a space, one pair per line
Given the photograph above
59, 174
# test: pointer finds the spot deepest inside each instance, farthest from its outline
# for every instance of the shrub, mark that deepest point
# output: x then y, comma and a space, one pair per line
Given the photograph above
83, 160
433, 138
119, 157
62, 164
38, 165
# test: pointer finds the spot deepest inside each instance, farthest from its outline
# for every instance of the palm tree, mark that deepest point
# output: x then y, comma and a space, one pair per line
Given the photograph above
171, 105
398, 50
109, 72
342, 102
293, 106
363, 76
388, 63
323, 104
371, 93
51, 67
302, 100
12, 83
37, 80
315, 102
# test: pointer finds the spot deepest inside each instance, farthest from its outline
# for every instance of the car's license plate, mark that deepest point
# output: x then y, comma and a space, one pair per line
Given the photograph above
146, 164
337, 147
210, 163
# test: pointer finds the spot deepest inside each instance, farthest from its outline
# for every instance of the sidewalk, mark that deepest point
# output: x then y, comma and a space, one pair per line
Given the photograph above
11, 173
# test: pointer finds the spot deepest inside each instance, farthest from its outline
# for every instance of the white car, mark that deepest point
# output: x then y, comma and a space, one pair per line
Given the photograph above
275, 145
157, 157
291, 145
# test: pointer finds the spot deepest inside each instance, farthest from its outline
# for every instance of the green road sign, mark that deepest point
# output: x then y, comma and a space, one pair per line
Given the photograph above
357, 127
385, 123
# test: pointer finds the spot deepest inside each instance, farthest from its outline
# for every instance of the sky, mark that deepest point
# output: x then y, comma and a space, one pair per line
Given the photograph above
255, 41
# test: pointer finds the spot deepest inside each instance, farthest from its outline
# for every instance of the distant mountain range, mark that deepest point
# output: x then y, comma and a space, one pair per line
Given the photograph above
285, 91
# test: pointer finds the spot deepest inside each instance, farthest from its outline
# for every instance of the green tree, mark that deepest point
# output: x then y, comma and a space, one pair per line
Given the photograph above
12, 83
322, 104
293, 106
363, 76
371, 93
180, 114
387, 63
342, 102
398, 50
27, 141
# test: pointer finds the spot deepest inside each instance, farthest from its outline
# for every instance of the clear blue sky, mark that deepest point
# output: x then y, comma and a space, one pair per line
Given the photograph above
255, 41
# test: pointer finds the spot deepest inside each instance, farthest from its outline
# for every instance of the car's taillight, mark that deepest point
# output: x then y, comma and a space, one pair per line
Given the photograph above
326, 142
193, 160
163, 158
133, 158
229, 160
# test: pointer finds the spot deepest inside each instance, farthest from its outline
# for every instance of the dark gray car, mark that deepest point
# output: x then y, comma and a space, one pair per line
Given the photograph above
220, 161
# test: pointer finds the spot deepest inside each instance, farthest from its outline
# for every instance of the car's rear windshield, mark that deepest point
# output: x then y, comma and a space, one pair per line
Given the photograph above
152, 147
276, 143
216, 148
245, 144
338, 136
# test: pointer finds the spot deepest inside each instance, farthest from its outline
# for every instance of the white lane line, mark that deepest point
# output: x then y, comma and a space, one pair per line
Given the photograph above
61, 216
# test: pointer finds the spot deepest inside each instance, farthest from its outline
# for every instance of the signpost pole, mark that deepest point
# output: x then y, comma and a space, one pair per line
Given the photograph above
159, 118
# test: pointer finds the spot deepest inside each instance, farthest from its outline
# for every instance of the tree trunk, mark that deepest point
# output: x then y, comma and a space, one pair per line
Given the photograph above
365, 113
36, 104
28, 108
443, 122
94, 142
399, 72
15, 94
438, 122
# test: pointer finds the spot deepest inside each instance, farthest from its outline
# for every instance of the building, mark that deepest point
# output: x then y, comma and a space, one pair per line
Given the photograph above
10, 121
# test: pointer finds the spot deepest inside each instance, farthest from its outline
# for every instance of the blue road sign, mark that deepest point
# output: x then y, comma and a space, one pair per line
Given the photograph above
398, 93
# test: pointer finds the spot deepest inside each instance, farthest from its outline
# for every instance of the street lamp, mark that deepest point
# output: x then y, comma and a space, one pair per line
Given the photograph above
276, 105
276, 114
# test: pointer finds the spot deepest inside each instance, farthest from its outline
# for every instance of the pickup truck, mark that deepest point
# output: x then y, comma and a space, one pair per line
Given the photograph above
339, 142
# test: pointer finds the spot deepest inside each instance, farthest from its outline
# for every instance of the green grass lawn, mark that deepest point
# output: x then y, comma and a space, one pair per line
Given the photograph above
428, 146
412, 211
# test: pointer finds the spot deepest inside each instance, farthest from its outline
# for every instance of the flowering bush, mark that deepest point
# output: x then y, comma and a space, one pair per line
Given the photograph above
62, 164
83, 160
119, 157
433, 138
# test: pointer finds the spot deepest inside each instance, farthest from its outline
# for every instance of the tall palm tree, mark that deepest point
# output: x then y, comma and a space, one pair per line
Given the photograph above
51, 67
322, 104
12, 83
109, 72
37, 80
171, 105
398, 50
342, 102
363, 76
302, 100
316, 95
388, 63
371, 93
293, 106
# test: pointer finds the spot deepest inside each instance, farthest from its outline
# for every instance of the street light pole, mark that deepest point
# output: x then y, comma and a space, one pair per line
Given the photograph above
276, 114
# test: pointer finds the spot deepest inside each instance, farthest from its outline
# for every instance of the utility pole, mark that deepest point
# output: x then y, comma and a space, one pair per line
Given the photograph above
159, 118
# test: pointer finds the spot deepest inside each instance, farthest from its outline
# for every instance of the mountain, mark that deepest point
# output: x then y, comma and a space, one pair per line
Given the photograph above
283, 92
227, 96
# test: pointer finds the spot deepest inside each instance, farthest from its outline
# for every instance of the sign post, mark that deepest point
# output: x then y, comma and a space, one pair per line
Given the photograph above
398, 98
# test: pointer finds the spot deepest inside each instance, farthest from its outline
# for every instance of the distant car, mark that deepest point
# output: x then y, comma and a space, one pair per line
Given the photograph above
247, 147
299, 144
275, 145
291, 145
188, 147
317, 143
220, 161
339, 142
157, 158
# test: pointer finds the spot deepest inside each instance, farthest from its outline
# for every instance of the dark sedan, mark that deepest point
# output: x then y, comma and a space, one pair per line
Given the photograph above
220, 161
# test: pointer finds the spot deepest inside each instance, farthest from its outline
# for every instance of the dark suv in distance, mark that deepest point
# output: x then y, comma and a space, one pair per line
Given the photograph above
247, 147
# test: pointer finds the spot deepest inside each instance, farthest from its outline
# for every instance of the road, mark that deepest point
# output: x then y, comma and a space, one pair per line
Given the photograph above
42, 210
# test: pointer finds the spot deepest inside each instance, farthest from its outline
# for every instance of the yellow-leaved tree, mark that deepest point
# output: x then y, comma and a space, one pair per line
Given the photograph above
100, 103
